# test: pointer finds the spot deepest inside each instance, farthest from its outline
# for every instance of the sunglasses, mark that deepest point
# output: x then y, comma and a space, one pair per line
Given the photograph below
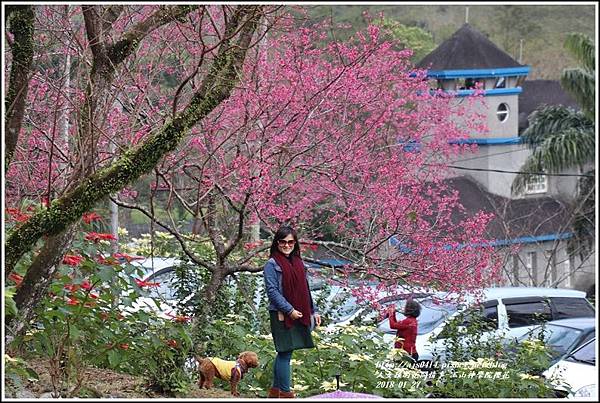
283, 242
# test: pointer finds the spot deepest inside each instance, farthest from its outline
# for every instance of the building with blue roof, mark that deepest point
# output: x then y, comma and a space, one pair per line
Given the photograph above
540, 219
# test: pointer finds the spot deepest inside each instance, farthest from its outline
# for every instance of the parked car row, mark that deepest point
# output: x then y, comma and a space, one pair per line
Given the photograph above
511, 312
161, 272
514, 313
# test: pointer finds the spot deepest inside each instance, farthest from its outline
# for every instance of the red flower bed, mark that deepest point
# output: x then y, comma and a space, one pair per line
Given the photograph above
16, 278
17, 215
90, 217
96, 236
72, 260
142, 283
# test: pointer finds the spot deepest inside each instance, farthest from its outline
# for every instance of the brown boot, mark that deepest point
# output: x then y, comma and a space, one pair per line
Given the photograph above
289, 394
274, 392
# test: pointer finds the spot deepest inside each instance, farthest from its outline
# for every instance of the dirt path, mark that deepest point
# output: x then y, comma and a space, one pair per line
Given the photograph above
104, 383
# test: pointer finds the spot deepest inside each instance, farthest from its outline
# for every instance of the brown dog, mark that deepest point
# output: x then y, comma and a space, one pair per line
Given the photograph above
231, 371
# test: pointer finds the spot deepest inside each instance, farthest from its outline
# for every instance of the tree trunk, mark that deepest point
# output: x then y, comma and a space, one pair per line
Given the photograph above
209, 295
37, 280
254, 233
21, 26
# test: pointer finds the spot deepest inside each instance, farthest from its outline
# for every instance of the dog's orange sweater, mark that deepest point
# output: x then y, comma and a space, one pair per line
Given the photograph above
224, 367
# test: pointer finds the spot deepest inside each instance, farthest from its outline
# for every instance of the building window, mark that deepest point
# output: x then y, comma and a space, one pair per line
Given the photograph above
502, 112
500, 82
467, 83
536, 184
516, 269
551, 257
568, 270
531, 264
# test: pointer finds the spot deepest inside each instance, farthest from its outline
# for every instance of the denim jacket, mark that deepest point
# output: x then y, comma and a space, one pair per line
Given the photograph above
277, 302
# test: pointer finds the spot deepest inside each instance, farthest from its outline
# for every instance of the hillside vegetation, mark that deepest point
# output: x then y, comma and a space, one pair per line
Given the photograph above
542, 28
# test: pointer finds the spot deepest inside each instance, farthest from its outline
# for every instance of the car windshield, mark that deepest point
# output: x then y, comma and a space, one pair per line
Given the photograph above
559, 338
344, 311
433, 313
338, 304
166, 280
586, 354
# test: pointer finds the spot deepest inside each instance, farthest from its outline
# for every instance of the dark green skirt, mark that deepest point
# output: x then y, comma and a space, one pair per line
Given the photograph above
285, 339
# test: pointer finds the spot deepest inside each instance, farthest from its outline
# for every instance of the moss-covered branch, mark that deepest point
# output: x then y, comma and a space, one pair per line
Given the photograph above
140, 160
21, 20
131, 39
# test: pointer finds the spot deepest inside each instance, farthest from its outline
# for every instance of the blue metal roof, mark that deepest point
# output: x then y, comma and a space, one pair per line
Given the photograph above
487, 93
473, 73
488, 141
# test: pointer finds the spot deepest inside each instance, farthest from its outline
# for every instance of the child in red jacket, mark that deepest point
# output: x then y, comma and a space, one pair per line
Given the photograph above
407, 328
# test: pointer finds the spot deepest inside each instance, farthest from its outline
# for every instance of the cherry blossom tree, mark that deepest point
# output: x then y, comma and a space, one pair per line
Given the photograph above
346, 134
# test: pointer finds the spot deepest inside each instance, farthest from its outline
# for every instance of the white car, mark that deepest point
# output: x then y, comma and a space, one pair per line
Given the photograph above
162, 279
161, 297
578, 371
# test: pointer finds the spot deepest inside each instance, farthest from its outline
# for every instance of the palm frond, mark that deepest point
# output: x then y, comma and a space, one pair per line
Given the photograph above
569, 148
549, 120
581, 85
582, 47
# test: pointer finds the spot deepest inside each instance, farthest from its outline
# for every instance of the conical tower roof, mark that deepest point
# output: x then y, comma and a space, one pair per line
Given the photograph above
467, 49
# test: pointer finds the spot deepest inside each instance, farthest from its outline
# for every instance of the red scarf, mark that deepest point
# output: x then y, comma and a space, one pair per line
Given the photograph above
295, 287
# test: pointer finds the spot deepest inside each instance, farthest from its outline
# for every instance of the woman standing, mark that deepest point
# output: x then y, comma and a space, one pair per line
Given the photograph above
291, 308
407, 328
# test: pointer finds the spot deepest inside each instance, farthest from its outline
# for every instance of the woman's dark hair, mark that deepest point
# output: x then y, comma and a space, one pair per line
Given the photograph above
281, 233
412, 308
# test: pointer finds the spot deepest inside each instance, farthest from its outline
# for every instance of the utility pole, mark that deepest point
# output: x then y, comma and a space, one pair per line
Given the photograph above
520, 50
114, 212
253, 218
466, 14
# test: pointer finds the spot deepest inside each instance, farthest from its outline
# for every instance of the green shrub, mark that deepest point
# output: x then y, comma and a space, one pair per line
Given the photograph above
163, 354
87, 319
488, 367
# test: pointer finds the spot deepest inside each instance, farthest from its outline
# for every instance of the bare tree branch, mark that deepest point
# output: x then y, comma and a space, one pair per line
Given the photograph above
170, 230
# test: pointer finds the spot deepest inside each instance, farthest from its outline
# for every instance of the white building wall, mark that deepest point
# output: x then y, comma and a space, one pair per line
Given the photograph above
554, 267
508, 157
509, 127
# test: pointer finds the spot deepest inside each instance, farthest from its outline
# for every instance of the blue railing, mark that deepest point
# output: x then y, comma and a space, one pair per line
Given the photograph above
494, 243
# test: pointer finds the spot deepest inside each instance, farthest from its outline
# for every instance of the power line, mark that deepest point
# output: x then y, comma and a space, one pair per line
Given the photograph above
488, 155
517, 172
